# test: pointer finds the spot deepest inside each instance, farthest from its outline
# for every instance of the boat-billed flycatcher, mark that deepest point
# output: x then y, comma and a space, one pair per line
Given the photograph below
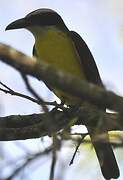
66, 50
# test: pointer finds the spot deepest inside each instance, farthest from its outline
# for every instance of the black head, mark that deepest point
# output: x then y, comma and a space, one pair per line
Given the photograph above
40, 17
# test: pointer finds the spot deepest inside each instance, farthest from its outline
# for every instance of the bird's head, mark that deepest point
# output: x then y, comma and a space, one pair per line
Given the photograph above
38, 18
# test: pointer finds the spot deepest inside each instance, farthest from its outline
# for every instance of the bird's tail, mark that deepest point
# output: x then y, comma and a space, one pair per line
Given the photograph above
106, 157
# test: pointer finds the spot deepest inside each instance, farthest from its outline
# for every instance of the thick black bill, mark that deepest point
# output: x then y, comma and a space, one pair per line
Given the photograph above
20, 23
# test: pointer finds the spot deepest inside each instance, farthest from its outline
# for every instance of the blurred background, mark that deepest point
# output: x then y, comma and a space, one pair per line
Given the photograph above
100, 23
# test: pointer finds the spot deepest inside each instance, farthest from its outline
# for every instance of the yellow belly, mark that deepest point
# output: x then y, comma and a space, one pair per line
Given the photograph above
56, 48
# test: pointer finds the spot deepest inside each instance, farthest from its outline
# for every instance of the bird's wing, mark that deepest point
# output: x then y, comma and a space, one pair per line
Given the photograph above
103, 150
86, 58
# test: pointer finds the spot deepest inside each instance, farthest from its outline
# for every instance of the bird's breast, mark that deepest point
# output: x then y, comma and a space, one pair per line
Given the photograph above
55, 47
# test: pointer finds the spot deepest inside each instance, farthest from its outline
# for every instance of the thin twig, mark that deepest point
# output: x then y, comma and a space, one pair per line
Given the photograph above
15, 93
32, 91
53, 164
48, 117
8, 90
56, 146
80, 140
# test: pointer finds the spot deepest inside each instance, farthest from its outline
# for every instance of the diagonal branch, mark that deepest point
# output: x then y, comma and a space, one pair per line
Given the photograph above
60, 80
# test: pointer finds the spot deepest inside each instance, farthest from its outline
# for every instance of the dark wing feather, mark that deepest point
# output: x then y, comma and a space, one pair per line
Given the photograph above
87, 60
104, 151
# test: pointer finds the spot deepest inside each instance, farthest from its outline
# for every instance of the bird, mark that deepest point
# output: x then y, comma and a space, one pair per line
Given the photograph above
65, 50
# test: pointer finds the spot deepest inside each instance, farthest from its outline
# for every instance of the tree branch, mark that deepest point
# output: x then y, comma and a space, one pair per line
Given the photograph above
60, 80
33, 126
20, 127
